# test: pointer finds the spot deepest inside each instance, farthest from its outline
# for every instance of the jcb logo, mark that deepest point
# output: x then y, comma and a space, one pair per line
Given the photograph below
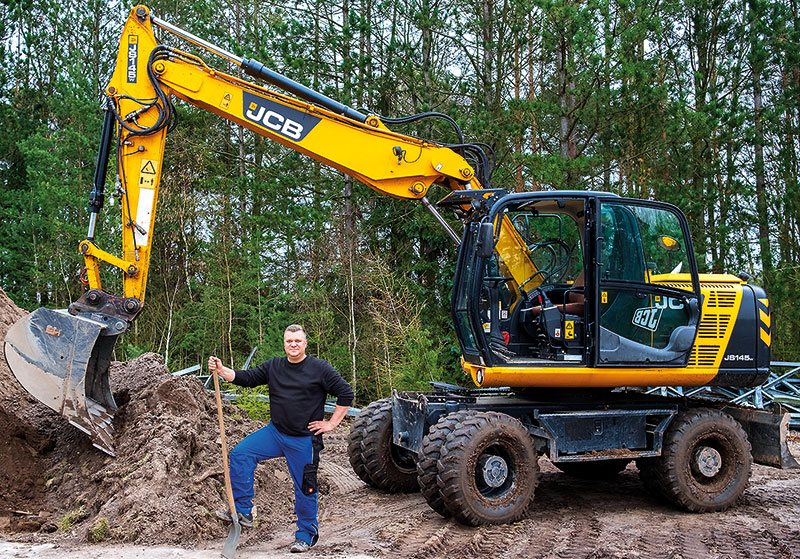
668, 303
647, 318
286, 121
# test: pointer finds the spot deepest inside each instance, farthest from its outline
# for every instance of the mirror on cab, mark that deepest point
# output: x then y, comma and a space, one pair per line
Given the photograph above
485, 247
670, 244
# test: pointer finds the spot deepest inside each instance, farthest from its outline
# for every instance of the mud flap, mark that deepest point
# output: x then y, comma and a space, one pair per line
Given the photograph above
62, 360
767, 433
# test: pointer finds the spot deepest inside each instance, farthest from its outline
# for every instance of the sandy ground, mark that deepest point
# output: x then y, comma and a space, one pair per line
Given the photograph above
570, 518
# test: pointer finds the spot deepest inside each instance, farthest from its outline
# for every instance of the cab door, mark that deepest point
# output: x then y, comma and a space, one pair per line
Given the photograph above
648, 291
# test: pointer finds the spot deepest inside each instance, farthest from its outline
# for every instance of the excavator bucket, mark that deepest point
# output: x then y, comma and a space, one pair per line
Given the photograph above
62, 360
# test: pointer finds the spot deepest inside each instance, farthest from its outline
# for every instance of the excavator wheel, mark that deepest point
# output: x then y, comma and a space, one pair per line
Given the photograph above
354, 448
375, 457
488, 470
596, 469
427, 464
704, 464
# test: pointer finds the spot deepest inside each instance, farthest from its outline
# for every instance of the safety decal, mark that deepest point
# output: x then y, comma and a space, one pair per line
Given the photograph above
280, 119
147, 173
558, 333
766, 321
604, 297
647, 318
133, 57
569, 330
226, 100
147, 197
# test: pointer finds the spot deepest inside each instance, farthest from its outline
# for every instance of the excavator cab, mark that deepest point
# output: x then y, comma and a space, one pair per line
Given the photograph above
593, 280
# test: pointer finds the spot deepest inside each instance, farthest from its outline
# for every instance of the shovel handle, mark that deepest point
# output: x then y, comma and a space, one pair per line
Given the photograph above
226, 471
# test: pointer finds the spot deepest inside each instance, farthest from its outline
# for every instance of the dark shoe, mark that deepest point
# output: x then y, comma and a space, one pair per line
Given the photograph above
299, 546
245, 520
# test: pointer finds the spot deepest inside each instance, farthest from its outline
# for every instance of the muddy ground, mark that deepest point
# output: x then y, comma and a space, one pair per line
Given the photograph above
157, 496
570, 519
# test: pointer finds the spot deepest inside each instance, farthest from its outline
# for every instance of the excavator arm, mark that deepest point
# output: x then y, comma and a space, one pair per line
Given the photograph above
62, 356
148, 75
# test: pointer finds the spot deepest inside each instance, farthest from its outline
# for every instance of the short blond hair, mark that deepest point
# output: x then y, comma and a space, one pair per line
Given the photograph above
295, 328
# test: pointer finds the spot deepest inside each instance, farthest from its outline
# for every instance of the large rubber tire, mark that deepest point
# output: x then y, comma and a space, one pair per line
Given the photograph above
597, 469
427, 464
385, 465
354, 454
488, 470
705, 462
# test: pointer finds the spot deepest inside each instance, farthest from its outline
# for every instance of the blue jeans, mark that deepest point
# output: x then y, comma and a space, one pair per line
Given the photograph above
302, 457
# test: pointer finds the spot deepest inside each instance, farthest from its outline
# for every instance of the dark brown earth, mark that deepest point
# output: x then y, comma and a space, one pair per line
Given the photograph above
166, 481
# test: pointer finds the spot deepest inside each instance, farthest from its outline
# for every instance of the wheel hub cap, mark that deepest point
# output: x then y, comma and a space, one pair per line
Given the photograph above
493, 469
707, 461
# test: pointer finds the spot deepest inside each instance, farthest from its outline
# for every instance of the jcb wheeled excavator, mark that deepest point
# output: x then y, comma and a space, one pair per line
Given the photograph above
564, 303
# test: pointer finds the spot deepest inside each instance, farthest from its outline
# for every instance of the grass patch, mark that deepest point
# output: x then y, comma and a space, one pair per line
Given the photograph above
71, 518
100, 531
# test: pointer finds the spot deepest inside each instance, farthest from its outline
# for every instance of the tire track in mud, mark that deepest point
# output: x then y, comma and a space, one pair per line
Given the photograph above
454, 541
561, 523
719, 539
342, 480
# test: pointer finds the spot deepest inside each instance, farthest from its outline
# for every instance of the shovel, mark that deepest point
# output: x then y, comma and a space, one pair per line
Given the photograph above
229, 549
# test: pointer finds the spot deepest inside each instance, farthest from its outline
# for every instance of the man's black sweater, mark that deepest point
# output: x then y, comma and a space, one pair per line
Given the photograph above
297, 391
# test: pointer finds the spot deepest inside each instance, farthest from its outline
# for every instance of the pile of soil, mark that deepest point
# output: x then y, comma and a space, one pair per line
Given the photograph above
165, 482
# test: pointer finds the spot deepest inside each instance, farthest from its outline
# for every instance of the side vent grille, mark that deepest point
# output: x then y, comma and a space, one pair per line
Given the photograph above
704, 355
713, 326
718, 299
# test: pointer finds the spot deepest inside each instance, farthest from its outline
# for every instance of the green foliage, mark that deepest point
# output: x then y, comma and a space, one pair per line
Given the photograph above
257, 408
652, 100
100, 531
71, 518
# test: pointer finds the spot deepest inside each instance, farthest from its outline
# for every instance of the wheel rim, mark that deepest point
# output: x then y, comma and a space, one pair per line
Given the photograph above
707, 461
493, 469
494, 472
713, 463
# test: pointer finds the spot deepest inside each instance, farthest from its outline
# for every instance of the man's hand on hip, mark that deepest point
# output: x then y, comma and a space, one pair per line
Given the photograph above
319, 427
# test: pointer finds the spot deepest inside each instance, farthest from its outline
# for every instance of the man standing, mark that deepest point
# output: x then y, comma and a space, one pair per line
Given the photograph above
298, 385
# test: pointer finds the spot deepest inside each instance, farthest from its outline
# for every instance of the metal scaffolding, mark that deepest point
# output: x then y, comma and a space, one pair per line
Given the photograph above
782, 387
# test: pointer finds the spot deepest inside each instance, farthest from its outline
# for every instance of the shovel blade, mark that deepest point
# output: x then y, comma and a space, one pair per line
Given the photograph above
62, 360
229, 549
767, 433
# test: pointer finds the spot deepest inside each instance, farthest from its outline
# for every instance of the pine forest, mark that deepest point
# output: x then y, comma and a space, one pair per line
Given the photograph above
692, 102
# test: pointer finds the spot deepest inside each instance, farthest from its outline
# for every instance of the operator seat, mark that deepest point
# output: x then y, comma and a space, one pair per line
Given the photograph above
574, 300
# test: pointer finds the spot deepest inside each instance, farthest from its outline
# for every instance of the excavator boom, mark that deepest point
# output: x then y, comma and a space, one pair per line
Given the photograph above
62, 356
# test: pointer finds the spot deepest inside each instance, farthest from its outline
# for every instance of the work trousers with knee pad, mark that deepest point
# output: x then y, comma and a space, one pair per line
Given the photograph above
302, 457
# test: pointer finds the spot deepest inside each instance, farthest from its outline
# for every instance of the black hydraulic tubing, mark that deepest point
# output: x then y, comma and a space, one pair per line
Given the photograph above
258, 70
97, 196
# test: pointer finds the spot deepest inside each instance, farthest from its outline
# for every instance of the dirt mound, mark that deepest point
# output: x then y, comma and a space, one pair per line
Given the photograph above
165, 482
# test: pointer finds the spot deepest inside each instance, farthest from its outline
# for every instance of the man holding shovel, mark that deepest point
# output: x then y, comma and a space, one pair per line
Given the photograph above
298, 385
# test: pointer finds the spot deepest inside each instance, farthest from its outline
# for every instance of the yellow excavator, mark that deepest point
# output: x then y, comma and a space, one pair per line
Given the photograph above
564, 303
